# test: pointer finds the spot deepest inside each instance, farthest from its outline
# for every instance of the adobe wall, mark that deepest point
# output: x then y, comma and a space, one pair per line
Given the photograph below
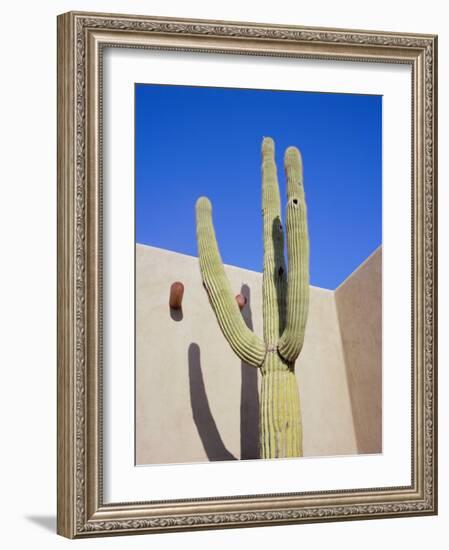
195, 401
359, 306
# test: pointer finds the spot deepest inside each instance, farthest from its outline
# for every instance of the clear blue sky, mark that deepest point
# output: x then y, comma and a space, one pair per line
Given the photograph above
193, 141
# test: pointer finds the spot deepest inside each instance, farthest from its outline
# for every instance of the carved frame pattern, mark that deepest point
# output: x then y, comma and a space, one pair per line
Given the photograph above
81, 37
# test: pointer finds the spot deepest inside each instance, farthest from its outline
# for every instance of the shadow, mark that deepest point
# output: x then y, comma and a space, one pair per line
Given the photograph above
202, 416
280, 271
249, 396
46, 522
176, 314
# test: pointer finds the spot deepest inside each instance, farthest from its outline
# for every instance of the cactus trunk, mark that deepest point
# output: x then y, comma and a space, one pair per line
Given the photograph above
280, 415
285, 302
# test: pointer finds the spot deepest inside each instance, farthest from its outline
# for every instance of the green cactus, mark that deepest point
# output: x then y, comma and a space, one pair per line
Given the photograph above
285, 304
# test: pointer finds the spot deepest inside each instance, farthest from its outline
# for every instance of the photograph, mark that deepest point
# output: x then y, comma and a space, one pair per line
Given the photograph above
222, 324
246, 274
258, 274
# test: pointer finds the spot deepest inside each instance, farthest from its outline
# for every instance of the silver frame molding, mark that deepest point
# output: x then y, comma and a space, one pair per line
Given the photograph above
81, 38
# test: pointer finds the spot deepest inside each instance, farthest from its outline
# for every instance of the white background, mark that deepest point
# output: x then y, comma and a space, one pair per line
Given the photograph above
28, 271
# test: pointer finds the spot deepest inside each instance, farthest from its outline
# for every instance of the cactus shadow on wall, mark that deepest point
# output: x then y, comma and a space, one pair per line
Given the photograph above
249, 404
207, 428
249, 395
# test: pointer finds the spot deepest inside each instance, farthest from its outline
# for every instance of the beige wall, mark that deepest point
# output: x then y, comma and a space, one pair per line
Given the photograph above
195, 401
361, 333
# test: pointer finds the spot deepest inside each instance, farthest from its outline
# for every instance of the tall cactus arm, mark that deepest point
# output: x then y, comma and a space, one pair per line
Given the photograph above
274, 272
247, 345
292, 338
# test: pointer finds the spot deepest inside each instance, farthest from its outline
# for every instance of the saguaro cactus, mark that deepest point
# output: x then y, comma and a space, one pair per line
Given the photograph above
285, 302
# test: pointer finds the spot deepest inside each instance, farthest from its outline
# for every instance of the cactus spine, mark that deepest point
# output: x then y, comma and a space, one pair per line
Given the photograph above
285, 304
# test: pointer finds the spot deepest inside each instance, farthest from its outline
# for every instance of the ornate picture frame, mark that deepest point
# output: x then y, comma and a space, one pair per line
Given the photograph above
82, 40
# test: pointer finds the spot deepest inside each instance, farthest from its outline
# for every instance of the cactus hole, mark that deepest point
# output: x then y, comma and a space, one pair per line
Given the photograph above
295, 201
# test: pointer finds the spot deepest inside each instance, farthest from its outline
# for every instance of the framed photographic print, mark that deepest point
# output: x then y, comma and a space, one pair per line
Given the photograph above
246, 274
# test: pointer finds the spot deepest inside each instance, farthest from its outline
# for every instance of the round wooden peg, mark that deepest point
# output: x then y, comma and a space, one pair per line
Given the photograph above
241, 301
176, 295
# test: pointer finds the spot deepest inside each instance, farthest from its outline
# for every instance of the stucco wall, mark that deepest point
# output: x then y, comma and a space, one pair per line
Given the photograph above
195, 401
359, 306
